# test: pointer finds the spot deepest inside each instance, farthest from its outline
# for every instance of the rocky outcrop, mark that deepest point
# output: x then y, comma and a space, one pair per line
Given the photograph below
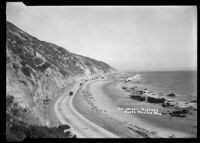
179, 113
155, 100
38, 71
171, 95
137, 97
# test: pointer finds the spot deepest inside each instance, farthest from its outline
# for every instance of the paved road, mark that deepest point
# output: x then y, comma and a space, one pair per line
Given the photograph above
80, 126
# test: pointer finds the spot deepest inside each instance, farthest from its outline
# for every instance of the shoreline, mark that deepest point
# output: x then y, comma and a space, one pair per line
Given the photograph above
172, 123
103, 118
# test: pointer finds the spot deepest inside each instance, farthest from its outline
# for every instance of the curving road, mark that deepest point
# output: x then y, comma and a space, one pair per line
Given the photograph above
82, 127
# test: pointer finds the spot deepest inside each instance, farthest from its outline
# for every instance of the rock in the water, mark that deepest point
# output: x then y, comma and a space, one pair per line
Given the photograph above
155, 100
179, 113
167, 104
140, 92
136, 97
194, 101
171, 95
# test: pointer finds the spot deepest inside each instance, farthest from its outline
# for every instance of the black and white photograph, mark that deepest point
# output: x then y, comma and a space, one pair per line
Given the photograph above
101, 71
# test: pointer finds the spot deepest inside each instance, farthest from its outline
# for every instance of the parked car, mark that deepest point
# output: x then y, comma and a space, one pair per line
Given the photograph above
70, 93
64, 127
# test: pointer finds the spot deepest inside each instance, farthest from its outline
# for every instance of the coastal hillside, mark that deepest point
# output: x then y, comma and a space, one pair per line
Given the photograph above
37, 72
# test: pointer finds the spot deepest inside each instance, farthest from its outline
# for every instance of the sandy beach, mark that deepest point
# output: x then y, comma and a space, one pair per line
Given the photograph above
99, 101
83, 103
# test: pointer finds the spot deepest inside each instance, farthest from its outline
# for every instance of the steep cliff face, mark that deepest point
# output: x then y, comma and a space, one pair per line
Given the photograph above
38, 71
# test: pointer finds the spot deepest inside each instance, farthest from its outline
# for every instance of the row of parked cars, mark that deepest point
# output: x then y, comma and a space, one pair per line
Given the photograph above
99, 77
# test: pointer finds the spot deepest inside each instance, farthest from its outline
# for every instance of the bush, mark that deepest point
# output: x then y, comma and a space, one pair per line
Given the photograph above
24, 82
64, 127
43, 67
15, 111
18, 131
26, 71
15, 67
9, 101
12, 107
38, 61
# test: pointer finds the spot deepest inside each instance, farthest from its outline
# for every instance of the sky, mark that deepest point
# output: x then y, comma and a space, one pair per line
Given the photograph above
129, 38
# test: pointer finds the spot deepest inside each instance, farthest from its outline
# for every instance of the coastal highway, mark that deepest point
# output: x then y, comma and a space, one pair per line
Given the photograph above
82, 127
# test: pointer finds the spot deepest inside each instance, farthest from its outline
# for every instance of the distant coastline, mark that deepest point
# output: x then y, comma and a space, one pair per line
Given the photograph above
143, 71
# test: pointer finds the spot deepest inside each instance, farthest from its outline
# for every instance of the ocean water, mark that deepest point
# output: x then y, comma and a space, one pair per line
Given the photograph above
181, 82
